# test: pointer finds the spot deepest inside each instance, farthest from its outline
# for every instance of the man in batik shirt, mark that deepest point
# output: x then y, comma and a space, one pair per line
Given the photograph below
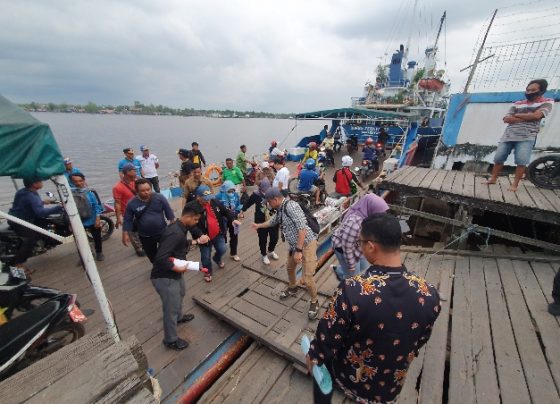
377, 321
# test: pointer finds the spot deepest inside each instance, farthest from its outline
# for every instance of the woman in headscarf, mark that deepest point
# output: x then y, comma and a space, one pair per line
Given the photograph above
345, 238
262, 214
231, 200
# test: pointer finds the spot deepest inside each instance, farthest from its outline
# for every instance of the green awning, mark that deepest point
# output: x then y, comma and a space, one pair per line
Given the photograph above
355, 113
27, 145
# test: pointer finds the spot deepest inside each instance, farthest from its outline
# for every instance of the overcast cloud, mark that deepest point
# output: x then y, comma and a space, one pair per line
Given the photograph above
283, 56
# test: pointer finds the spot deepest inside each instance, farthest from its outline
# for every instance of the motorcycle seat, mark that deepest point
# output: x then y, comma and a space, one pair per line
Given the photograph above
21, 331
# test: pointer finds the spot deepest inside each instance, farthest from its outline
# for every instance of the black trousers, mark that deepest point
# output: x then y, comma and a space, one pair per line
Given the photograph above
233, 240
155, 183
150, 246
264, 235
96, 234
556, 288
29, 239
318, 396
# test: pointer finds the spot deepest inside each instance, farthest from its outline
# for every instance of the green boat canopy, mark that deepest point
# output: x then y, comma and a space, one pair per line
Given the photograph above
354, 113
27, 145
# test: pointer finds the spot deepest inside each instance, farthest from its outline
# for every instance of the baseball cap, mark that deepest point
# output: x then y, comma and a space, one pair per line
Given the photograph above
204, 191
272, 193
67, 160
183, 152
127, 167
144, 147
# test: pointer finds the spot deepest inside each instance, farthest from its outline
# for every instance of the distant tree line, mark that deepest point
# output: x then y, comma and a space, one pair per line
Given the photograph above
142, 109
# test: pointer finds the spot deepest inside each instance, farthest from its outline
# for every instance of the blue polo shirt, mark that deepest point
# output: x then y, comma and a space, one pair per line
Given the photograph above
136, 164
307, 179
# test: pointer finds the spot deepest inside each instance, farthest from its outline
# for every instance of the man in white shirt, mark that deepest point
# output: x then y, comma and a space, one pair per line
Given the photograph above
282, 176
150, 164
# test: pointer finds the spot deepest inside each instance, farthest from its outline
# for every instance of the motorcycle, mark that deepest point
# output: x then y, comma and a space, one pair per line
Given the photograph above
544, 172
325, 157
40, 331
306, 198
251, 175
367, 168
351, 144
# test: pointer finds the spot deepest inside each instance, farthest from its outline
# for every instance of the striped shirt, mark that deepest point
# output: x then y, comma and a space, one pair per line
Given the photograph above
518, 132
291, 218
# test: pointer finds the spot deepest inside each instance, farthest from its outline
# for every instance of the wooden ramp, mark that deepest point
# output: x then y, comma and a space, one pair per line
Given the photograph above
466, 188
493, 342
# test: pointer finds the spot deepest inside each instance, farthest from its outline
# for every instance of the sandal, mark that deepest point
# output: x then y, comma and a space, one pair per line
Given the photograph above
208, 278
221, 265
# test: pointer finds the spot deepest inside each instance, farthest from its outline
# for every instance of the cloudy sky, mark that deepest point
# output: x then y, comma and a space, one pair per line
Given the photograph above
282, 56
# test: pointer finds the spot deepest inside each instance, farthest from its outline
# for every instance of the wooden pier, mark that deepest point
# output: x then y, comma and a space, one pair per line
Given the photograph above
493, 342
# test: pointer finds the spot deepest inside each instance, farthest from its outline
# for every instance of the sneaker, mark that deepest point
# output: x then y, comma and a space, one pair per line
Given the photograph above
313, 310
273, 255
185, 318
265, 259
288, 292
99, 257
178, 345
554, 309
235, 257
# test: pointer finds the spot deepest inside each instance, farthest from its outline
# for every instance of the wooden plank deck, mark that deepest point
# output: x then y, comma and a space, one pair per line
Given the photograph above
493, 342
466, 188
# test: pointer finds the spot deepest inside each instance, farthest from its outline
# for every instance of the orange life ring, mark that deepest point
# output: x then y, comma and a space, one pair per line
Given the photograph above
214, 175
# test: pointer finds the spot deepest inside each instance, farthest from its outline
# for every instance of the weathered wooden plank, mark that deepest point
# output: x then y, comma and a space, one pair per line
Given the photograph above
461, 378
142, 397
513, 387
537, 304
256, 313
440, 274
427, 180
438, 180
495, 191
447, 182
394, 176
419, 176
468, 184
537, 374
35, 378
485, 378
509, 196
457, 187
539, 199
266, 303
91, 380
125, 390
411, 176
552, 197
524, 197
481, 190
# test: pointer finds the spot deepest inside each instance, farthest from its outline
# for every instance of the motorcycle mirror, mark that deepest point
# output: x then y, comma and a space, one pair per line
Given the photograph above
50, 194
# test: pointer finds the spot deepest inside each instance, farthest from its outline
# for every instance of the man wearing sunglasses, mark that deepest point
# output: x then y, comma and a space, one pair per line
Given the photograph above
377, 321
129, 159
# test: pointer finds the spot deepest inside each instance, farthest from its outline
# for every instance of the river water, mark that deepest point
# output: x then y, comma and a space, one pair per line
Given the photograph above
95, 142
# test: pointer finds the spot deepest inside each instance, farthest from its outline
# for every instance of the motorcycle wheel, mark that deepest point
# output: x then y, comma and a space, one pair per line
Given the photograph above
544, 172
60, 336
107, 228
292, 185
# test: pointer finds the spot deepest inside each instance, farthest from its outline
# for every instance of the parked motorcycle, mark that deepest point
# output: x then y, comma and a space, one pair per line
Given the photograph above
544, 172
325, 157
42, 330
306, 198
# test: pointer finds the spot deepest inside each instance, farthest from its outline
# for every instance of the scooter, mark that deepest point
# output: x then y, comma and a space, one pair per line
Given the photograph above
367, 168
544, 172
40, 331
325, 157
351, 144
308, 198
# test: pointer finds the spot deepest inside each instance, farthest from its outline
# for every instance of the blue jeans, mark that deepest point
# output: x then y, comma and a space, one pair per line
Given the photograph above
522, 152
342, 267
219, 245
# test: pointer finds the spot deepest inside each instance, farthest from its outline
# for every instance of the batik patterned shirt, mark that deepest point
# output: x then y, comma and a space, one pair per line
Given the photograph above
373, 329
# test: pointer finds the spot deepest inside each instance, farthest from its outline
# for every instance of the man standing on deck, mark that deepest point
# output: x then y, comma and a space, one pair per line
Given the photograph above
168, 279
302, 244
124, 191
150, 164
195, 155
70, 170
241, 160
129, 159
523, 121
282, 176
323, 133
376, 322
193, 182
146, 215
234, 174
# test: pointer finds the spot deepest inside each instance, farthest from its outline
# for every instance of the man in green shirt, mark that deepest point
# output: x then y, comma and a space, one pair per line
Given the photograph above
241, 161
234, 174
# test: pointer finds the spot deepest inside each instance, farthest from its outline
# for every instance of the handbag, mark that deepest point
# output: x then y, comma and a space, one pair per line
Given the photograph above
136, 218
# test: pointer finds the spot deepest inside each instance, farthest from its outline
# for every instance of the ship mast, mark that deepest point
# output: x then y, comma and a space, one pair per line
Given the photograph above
439, 31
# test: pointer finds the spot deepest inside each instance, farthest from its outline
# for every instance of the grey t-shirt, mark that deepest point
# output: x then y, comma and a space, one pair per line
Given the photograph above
518, 132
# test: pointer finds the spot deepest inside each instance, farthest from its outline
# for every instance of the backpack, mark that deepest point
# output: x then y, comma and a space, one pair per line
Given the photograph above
311, 220
82, 203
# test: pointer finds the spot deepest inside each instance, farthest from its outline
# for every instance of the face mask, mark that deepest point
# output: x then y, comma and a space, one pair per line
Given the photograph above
533, 96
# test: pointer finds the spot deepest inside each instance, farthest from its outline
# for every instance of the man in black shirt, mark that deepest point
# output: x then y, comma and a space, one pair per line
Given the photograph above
377, 321
168, 278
